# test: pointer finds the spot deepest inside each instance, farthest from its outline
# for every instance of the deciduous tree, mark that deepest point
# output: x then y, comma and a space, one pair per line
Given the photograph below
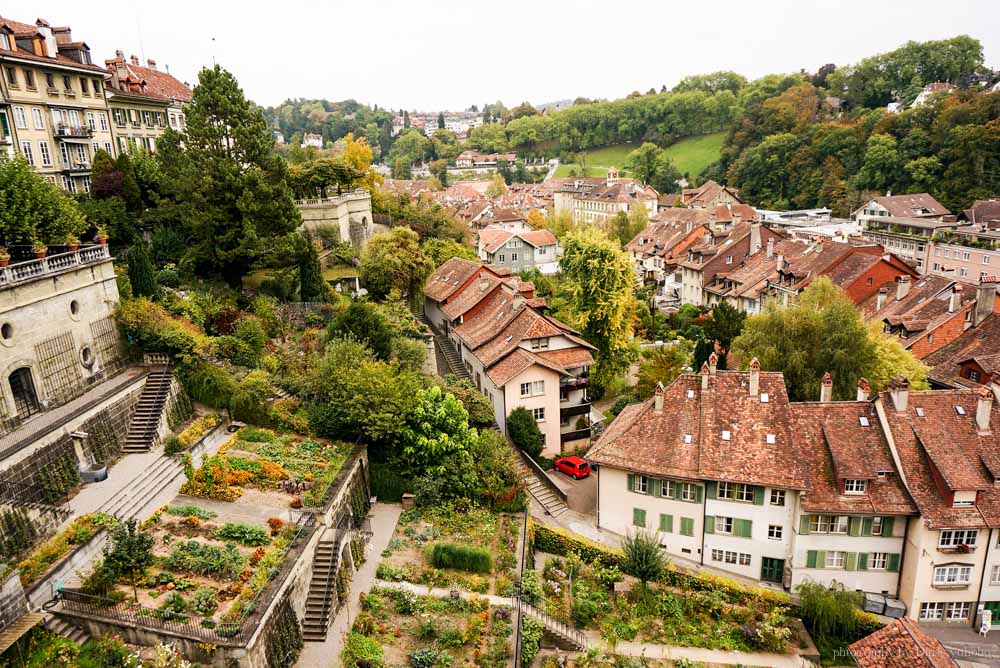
394, 260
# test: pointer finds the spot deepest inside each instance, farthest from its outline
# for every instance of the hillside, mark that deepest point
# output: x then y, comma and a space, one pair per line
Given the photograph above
691, 155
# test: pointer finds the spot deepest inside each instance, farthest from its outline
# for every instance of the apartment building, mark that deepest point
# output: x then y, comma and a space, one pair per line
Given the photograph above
967, 253
891, 494
143, 102
521, 250
904, 225
598, 200
723, 248
54, 95
709, 195
657, 250
516, 354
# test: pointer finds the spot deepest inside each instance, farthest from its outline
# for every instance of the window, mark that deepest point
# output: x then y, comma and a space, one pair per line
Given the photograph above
513, 257
538, 414
539, 344
39, 118
995, 575
642, 484
20, 120
931, 611
46, 155
724, 525
954, 612
973, 375
97, 87
735, 492
50, 80
668, 488
777, 497
64, 152
119, 117
29, 79
774, 531
173, 120
729, 259
730, 557
876, 526
819, 524
95, 147
91, 120
104, 123
726, 435
147, 118
85, 86
4, 42
11, 76
956, 537
687, 526
863, 421
67, 83
122, 147
26, 151
85, 180
109, 148
835, 559
689, 492
639, 517
838, 524
952, 575
986, 259
965, 256
855, 486
503, 258
877, 561
533, 389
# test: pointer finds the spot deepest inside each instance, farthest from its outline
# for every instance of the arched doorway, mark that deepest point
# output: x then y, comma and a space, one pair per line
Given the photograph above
23, 389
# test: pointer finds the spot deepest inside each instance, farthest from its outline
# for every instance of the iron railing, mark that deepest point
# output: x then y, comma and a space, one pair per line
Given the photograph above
237, 632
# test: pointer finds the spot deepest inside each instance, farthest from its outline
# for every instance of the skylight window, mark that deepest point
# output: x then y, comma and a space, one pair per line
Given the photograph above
690, 394
960, 410
725, 435
771, 439
919, 411
687, 438
864, 421
764, 397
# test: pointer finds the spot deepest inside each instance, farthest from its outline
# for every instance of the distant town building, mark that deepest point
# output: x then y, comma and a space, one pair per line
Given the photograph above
475, 159
313, 140
597, 200
521, 250
709, 195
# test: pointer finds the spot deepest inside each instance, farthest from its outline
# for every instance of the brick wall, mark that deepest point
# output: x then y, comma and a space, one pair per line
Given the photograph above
942, 335
880, 274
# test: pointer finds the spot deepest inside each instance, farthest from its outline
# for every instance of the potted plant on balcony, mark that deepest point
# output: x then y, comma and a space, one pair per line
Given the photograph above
4, 257
73, 242
40, 248
102, 235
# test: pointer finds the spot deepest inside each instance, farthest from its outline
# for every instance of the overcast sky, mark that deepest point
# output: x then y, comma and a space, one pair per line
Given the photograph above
449, 54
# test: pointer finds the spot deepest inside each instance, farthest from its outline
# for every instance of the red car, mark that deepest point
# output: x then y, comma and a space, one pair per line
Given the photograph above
573, 466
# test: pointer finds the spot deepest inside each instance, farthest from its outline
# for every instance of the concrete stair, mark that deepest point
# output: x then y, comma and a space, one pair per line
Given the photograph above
445, 345
60, 627
560, 630
129, 502
146, 419
540, 490
320, 601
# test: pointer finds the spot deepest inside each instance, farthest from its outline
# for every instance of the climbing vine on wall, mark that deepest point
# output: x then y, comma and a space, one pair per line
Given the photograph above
59, 478
343, 584
17, 532
284, 639
179, 411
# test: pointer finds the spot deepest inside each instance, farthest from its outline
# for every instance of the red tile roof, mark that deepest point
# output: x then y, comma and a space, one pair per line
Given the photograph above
917, 205
902, 644
449, 277
151, 83
568, 358
982, 342
24, 30
513, 364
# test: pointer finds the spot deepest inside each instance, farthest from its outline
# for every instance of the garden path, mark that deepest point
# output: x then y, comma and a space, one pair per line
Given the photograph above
327, 653
648, 650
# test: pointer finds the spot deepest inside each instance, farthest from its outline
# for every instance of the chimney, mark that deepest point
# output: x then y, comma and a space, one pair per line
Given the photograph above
48, 37
754, 377
705, 371
780, 264
883, 294
826, 388
863, 389
770, 248
754, 238
150, 63
713, 363
899, 391
984, 405
955, 301
484, 281
658, 398
119, 53
134, 59
986, 295
902, 287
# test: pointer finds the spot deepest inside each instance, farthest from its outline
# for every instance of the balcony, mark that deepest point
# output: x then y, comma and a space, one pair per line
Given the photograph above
76, 166
22, 272
570, 411
70, 131
573, 383
575, 435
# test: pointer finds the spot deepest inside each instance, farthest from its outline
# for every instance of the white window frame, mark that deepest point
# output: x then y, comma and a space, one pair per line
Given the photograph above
732, 491
835, 559
955, 537
20, 119
745, 559
957, 611
995, 574
532, 388
878, 561
39, 118
952, 574
688, 491
877, 526
717, 555
44, 153
931, 611
724, 525
642, 484
855, 487
839, 524
777, 497
819, 524
667, 488
538, 414
27, 152
540, 344
775, 532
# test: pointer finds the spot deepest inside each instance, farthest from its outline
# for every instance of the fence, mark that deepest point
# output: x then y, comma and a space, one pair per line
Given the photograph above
236, 632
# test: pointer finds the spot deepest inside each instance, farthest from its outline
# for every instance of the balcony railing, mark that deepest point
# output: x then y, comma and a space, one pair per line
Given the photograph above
574, 382
570, 411
77, 166
575, 435
70, 131
22, 272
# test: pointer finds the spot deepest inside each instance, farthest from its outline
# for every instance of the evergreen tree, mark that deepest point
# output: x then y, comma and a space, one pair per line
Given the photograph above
106, 180
230, 190
440, 120
130, 192
32, 208
140, 272
312, 288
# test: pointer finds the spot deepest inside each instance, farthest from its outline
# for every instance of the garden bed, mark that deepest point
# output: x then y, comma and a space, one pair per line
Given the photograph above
469, 547
400, 628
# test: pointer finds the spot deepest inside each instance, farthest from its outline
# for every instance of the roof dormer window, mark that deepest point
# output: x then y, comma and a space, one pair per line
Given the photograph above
690, 394
764, 397
855, 487
726, 435
687, 439
4, 42
919, 411
771, 439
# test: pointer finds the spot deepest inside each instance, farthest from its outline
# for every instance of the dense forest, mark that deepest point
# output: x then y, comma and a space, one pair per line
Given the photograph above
793, 140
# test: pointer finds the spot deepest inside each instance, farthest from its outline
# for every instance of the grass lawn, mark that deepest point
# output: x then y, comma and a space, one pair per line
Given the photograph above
691, 155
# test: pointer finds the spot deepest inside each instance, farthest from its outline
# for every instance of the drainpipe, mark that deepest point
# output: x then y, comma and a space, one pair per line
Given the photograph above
982, 581
704, 507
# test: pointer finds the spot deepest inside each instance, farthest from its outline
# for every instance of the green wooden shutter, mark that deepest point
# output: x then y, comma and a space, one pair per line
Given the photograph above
639, 517
758, 495
804, 522
631, 482
811, 559
854, 526
709, 524
697, 493
666, 523
820, 558
711, 489
886, 526
687, 526
656, 486
892, 563
743, 528
866, 526
862, 561
851, 561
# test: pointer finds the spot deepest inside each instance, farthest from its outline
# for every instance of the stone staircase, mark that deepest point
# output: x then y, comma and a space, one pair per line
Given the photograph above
539, 490
61, 627
556, 628
129, 502
320, 604
146, 419
444, 344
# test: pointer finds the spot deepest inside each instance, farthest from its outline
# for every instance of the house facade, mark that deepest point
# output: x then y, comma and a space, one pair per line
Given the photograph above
521, 250
723, 248
143, 103
598, 200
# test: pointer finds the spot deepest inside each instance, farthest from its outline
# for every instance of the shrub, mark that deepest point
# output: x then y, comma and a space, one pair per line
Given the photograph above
172, 446
361, 652
462, 557
244, 534
168, 277
150, 327
206, 560
275, 524
191, 511
425, 657
829, 612
205, 601
174, 607
208, 384
585, 611
644, 556
524, 432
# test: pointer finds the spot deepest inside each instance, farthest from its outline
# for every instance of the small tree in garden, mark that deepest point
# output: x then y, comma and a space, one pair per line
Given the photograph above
644, 558
829, 612
524, 431
141, 273
129, 553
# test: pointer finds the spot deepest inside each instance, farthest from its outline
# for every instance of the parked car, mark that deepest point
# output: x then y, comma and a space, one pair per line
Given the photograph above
573, 466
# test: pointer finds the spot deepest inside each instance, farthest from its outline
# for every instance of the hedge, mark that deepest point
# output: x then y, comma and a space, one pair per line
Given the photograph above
562, 543
462, 557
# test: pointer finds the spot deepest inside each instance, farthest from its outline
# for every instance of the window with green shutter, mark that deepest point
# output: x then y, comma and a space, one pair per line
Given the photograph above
804, 522
862, 561
631, 482
655, 486
851, 561
711, 487
893, 565
639, 517
758, 496
709, 524
811, 559
666, 523
687, 526
854, 526
743, 528
886, 526
866, 526
697, 493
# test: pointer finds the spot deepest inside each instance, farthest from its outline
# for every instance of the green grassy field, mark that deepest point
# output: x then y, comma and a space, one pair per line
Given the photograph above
691, 155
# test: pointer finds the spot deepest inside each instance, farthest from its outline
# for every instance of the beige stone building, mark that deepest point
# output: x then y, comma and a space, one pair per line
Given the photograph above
53, 98
599, 200
143, 102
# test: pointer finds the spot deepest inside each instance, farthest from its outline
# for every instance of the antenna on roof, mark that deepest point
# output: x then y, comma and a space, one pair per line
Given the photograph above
138, 29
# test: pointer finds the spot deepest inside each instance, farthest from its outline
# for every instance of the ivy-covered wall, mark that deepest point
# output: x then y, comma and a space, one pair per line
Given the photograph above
284, 637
